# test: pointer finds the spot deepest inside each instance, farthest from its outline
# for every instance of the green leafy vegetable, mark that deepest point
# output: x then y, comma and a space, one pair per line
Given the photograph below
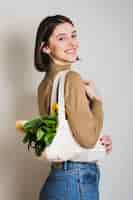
39, 132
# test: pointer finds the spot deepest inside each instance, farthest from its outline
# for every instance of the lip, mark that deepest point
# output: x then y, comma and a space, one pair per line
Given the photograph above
70, 51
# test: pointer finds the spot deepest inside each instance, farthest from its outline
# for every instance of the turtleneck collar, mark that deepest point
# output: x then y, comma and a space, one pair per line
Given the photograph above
54, 68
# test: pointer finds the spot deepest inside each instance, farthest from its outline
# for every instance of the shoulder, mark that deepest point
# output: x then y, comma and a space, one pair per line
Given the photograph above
73, 77
73, 84
43, 86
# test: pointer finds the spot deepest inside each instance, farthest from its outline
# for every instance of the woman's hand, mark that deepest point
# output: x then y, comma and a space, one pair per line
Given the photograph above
107, 142
91, 89
43, 156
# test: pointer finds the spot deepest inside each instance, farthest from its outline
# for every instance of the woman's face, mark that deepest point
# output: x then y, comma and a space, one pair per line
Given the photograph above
63, 44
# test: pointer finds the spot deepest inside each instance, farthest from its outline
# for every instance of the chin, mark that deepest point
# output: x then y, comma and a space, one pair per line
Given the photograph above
72, 59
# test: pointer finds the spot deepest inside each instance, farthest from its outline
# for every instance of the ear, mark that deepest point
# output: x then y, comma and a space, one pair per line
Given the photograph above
44, 48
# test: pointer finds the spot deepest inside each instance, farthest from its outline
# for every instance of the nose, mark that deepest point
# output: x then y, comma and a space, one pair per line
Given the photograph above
73, 43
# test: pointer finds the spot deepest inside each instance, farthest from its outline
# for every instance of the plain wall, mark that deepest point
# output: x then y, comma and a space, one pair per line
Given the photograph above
105, 32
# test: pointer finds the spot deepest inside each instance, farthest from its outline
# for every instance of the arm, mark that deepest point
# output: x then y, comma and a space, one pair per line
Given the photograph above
94, 100
97, 110
85, 122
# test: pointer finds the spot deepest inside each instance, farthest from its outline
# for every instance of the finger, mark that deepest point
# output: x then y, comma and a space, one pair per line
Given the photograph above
109, 151
106, 140
103, 140
86, 82
106, 136
92, 83
108, 148
107, 145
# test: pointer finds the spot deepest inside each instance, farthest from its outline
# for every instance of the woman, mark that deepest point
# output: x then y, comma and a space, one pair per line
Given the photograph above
56, 49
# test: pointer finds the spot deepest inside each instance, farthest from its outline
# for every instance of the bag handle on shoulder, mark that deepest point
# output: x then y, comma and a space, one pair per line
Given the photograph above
54, 89
61, 103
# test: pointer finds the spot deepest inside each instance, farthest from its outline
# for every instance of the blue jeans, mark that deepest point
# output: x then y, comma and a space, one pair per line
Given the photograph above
75, 181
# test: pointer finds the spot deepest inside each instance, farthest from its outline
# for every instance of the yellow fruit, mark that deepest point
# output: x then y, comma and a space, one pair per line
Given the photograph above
20, 124
55, 107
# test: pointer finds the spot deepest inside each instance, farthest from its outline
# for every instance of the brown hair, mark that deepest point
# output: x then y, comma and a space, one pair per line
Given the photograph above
46, 27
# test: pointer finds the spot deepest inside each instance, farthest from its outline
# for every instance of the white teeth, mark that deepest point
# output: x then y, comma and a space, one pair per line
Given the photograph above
70, 51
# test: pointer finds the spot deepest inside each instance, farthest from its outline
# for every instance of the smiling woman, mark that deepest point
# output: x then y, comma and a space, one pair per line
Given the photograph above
56, 49
63, 44
56, 42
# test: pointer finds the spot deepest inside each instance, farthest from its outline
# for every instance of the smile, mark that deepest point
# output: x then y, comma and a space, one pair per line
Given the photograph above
70, 51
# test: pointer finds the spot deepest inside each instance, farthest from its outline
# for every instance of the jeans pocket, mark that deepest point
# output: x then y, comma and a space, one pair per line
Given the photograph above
89, 180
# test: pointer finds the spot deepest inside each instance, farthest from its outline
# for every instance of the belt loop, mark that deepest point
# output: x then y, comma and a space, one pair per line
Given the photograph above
65, 165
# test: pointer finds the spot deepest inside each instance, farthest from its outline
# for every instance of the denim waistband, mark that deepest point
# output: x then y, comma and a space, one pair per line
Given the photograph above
75, 164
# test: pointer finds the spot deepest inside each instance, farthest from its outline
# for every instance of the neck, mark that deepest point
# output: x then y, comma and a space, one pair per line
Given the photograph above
54, 67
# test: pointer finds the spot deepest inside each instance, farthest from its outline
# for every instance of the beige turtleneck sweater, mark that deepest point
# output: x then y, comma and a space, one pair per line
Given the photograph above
84, 120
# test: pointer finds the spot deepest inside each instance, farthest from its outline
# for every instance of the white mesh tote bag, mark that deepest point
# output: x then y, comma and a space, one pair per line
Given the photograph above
64, 147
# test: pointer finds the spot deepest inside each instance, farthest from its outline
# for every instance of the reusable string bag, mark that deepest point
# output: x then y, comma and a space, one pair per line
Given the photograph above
64, 147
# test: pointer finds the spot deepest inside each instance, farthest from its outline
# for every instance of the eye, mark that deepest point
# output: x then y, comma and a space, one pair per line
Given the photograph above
74, 35
61, 38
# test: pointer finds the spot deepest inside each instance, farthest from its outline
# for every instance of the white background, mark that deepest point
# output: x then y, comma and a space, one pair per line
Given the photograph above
105, 31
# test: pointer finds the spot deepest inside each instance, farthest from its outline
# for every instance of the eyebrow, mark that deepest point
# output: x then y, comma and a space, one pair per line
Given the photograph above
65, 33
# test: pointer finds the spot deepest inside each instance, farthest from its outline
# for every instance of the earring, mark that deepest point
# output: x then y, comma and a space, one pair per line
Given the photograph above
78, 58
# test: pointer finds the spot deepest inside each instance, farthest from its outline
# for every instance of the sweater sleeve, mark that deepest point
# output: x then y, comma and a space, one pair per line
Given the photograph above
85, 122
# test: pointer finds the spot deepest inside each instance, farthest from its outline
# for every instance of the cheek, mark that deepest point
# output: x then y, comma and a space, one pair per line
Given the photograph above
62, 46
59, 48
